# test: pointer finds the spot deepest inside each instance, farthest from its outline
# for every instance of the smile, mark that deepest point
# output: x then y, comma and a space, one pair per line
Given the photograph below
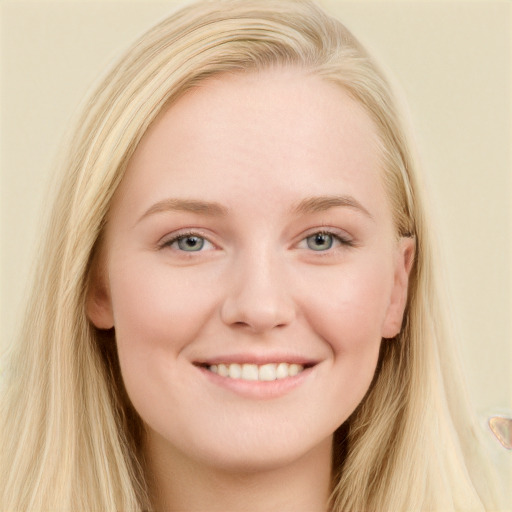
252, 372
257, 377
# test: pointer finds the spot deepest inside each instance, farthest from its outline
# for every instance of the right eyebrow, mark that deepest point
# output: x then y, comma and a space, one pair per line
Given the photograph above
186, 205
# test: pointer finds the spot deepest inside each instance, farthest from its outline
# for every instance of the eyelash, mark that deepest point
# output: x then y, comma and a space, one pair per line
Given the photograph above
181, 236
342, 240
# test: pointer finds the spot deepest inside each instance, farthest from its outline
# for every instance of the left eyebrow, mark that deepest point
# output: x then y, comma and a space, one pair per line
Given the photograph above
323, 203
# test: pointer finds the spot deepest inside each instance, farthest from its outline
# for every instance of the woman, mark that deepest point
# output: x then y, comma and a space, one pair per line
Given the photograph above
236, 305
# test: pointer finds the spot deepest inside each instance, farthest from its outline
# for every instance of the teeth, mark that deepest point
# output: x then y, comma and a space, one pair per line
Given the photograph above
282, 370
294, 369
250, 372
223, 370
268, 372
235, 371
265, 372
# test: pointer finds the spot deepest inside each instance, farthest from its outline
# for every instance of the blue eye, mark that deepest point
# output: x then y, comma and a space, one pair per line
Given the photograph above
320, 241
189, 243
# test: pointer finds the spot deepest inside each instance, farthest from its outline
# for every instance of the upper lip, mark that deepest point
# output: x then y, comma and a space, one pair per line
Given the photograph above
258, 359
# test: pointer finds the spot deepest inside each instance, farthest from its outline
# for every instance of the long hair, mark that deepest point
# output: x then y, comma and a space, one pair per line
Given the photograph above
70, 439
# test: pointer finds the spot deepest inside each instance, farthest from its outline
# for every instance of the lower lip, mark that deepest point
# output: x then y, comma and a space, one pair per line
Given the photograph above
257, 388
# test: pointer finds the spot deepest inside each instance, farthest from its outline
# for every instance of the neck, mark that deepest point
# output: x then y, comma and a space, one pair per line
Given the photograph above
178, 483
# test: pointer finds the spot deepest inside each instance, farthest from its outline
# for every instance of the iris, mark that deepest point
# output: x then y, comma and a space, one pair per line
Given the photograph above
190, 243
320, 241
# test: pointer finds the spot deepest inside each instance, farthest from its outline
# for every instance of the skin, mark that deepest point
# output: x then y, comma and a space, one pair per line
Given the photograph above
259, 146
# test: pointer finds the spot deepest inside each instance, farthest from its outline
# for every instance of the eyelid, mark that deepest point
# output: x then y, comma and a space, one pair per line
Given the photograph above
171, 238
342, 236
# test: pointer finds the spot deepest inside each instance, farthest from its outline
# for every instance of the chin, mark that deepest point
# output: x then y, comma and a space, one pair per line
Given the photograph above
250, 462
259, 450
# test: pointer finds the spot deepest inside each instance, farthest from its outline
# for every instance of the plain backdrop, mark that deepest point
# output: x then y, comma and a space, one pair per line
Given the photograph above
453, 61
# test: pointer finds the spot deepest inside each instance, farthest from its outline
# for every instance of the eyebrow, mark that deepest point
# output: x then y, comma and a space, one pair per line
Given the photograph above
323, 203
186, 205
307, 205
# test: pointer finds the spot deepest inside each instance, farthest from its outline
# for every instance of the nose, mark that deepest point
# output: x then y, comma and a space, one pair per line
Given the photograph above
258, 298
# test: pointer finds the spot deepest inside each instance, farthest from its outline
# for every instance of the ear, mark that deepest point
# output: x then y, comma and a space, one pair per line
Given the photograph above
404, 260
98, 300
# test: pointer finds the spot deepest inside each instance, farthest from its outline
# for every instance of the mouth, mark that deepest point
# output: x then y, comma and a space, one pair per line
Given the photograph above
257, 377
265, 372
255, 372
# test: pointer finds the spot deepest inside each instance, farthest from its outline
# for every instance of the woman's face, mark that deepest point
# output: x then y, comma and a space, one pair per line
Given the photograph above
251, 269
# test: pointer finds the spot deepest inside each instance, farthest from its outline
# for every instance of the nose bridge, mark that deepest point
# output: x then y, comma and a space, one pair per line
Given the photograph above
258, 295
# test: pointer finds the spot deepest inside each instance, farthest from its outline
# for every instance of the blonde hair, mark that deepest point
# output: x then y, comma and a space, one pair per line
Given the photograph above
70, 438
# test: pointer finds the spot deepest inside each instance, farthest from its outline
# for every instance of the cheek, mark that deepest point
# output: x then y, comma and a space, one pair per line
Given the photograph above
158, 306
348, 312
349, 308
157, 313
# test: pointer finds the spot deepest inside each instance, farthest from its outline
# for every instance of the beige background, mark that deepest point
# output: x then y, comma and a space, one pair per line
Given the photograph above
453, 60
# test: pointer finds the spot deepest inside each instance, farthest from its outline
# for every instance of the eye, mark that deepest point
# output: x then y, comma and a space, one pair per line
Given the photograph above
320, 241
323, 241
188, 242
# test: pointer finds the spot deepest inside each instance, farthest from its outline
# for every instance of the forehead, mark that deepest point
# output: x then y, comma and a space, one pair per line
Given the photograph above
284, 104
279, 130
